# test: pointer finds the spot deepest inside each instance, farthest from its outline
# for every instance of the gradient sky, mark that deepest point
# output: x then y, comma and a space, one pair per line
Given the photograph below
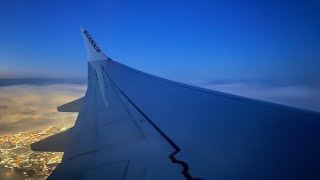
180, 40
262, 49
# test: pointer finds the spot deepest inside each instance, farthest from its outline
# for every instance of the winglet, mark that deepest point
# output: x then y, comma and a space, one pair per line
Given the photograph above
94, 53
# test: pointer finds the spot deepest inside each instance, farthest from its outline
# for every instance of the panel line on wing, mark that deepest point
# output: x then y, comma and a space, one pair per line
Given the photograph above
84, 154
185, 170
125, 107
125, 171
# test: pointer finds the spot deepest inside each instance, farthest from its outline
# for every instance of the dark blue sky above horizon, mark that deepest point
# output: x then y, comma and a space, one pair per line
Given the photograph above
180, 40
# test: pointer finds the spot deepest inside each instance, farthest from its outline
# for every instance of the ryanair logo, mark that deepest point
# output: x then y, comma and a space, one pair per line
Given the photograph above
95, 46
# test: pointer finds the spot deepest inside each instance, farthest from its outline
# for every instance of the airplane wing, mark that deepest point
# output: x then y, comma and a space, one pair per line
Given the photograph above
133, 125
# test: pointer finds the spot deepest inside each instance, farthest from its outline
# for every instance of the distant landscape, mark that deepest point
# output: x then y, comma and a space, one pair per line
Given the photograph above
27, 114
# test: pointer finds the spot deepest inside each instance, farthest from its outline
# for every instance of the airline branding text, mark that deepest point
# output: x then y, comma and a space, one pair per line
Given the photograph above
95, 46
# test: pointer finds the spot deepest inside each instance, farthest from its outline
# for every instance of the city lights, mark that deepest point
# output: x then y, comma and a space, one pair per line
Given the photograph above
17, 157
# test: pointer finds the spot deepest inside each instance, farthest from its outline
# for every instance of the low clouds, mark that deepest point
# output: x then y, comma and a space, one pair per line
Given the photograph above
301, 96
39, 81
25, 107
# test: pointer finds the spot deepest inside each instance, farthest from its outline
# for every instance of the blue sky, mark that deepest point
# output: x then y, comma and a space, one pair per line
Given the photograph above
180, 40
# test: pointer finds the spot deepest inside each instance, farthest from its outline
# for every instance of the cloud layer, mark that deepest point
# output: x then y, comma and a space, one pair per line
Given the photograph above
301, 96
25, 107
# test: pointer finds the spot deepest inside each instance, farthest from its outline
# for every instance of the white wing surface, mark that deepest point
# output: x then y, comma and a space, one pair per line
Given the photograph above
133, 125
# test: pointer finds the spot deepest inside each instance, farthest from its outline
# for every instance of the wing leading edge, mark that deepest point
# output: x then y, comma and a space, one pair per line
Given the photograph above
133, 125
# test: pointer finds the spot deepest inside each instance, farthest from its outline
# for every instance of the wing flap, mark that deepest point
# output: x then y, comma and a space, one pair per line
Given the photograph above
55, 143
73, 106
